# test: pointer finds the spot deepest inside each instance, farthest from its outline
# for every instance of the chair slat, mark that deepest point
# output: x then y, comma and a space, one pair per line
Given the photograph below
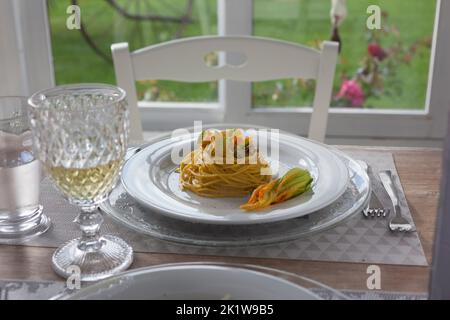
264, 59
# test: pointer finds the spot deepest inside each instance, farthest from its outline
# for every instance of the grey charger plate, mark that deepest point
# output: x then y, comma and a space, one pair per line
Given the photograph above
125, 210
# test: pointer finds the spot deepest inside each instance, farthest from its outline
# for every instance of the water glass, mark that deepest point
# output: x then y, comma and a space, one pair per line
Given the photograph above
21, 216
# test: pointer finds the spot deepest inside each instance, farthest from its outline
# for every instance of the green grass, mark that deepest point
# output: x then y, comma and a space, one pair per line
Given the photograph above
75, 61
302, 21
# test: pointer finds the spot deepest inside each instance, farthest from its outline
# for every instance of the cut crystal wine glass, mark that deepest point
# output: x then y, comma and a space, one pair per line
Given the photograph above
81, 134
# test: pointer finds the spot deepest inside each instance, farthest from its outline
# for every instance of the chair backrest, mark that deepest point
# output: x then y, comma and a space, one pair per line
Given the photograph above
264, 59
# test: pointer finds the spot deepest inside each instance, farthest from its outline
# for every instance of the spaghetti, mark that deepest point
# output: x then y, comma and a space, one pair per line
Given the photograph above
208, 174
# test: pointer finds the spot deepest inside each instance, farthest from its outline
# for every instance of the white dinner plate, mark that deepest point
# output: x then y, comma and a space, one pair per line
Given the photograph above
150, 177
193, 282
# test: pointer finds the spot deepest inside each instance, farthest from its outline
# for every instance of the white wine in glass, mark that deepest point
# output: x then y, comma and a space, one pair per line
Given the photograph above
81, 134
86, 183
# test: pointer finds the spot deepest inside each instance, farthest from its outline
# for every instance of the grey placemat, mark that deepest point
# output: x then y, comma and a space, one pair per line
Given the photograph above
356, 240
43, 290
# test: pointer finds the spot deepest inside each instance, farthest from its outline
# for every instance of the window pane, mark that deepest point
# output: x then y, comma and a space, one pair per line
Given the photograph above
383, 69
84, 55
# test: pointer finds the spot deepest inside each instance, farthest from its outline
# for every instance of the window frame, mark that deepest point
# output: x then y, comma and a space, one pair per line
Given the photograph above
347, 122
25, 47
235, 18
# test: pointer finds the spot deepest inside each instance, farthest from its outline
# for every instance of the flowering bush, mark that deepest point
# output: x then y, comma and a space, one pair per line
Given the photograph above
376, 75
376, 51
351, 92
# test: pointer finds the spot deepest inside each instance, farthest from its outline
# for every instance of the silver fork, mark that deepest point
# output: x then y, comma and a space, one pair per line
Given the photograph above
375, 208
398, 222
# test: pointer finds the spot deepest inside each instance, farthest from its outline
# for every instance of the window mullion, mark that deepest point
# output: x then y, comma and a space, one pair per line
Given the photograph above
25, 52
235, 17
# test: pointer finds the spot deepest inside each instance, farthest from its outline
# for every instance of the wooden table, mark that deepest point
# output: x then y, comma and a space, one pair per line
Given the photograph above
419, 171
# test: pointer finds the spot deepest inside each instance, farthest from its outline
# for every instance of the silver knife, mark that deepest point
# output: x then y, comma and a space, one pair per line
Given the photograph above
398, 222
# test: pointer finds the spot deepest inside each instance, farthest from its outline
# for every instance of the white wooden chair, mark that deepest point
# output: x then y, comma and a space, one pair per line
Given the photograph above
266, 59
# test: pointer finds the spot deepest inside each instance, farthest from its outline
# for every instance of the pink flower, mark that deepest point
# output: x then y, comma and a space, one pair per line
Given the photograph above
376, 51
351, 90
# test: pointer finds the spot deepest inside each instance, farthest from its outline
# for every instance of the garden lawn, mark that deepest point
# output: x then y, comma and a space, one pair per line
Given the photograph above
302, 21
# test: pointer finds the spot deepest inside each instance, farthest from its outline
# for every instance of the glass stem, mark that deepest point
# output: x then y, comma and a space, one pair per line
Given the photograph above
89, 220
